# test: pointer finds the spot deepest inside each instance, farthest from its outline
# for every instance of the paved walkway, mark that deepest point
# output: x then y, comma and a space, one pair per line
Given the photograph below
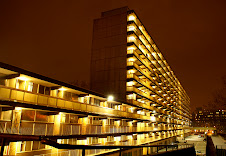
200, 145
219, 142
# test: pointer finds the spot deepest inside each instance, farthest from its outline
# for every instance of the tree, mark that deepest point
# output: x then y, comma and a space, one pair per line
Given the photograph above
219, 97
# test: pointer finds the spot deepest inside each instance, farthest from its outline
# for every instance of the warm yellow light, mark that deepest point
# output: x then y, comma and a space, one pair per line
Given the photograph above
141, 48
62, 89
18, 108
131, 18
131, 48
110, 98
22, 78
131, 83
153, 118
131, 38
131, 59
131, 28
131, 71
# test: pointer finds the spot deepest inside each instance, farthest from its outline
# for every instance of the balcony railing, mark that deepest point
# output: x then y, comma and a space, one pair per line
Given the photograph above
141, 149
7, 93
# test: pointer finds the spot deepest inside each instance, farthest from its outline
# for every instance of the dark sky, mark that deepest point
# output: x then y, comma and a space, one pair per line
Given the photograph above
54, 38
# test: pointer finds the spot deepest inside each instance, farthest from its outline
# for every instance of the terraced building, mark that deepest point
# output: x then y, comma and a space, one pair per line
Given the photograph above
127, 64
150, 105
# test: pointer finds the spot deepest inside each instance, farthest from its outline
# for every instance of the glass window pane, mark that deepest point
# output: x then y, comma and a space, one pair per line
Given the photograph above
28, 115
41, 89
47, 91
35, 145
41, 116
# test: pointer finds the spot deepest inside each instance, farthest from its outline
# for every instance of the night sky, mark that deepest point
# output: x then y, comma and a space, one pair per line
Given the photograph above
54, 38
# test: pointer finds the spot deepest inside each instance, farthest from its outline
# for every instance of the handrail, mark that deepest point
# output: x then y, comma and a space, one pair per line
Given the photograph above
68, 146
84, 147
50, 140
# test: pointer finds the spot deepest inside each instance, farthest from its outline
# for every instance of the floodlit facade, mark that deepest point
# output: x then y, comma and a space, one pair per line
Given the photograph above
35, 105
140, 100
127, 64
31, 104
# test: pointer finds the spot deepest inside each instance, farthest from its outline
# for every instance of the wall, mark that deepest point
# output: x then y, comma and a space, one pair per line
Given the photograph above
108, 59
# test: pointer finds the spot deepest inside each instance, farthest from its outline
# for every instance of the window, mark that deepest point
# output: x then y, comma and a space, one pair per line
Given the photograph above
6, 115
28, 115
94, 120
110, 121
35, 88
111, 105
30, 86
96, 102
67, 95
110, 138
73, 118
74, 97
37, 145
92, 140
20, 84
47, 90
26, 146
72, 141
123, 123
41, 116
86, 99
2, 82
41, 89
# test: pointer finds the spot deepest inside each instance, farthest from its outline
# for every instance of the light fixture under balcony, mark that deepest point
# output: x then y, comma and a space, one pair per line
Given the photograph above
131, 18
62, 89
22, 78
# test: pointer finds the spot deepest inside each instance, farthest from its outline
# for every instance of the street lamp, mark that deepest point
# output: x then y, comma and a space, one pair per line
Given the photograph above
110, 98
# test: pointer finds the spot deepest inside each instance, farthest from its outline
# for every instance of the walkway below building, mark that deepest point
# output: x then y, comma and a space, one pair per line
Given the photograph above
219, 142
199, 144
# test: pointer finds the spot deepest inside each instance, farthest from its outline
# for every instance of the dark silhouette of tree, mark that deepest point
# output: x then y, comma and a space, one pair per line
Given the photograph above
219, 97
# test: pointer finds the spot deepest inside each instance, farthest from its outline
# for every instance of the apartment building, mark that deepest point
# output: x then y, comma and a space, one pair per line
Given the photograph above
127, 64
136, 99
210, 118
35, 105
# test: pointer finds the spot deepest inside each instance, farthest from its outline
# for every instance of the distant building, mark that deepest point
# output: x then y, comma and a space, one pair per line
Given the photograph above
210, 118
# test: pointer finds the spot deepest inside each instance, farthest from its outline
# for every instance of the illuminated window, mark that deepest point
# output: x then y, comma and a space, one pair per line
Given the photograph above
131, 18
20, 84
131, 38
131, 28
96, 102
131, 71
37, 145
131, 83
26, 146
92, 140
110, 138
30, 86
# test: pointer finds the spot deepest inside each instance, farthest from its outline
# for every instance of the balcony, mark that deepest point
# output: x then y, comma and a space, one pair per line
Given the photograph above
12, 94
